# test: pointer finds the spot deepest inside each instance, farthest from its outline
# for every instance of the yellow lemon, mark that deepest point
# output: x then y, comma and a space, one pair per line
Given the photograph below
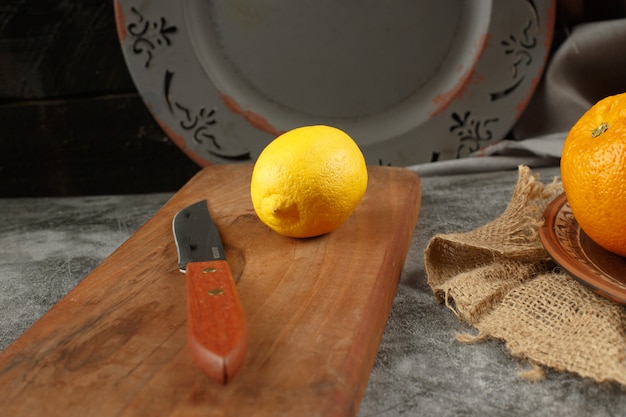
308, 181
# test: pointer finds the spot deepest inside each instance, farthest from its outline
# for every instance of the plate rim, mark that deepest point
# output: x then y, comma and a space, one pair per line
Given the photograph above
584, 275
471, 124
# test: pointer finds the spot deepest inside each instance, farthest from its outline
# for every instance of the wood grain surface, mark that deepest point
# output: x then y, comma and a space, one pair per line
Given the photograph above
117, 344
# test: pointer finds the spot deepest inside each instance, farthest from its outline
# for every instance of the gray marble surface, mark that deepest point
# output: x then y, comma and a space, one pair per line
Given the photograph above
47, 245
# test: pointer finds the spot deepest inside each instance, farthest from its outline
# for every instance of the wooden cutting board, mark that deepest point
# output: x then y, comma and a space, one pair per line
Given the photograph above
316, 308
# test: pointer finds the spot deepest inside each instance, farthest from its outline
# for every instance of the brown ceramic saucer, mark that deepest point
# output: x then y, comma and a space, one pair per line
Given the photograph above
604, 272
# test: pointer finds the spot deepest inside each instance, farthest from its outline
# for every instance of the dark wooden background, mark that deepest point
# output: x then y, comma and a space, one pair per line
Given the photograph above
71, 120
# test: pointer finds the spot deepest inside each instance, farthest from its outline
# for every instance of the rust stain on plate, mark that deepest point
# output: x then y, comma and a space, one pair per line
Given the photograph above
523, 104
549, 31
442, 100
179, 140
254, 119
120, 21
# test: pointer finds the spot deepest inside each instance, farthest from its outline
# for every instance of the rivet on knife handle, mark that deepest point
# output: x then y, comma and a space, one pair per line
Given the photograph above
217, 330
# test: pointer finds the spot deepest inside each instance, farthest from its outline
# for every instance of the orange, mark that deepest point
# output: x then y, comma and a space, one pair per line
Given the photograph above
308, 181
593, 172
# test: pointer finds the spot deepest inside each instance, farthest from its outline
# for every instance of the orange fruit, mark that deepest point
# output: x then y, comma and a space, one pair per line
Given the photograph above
308, 181
593, 172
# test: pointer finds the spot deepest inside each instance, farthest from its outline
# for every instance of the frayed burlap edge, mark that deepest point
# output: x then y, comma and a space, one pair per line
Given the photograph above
499, 279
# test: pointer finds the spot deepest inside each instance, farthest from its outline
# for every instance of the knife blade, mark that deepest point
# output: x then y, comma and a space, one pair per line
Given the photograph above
217, 332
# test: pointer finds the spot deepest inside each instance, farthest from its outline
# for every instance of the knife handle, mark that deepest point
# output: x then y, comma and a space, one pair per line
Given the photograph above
216, 324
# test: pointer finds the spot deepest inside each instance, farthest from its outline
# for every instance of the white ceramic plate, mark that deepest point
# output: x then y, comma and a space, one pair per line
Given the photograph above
410, 81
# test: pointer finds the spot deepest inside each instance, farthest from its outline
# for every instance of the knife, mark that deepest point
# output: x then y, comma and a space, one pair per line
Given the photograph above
217, 332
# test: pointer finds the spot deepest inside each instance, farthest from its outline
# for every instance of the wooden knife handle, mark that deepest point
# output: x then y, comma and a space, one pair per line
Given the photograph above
216, 325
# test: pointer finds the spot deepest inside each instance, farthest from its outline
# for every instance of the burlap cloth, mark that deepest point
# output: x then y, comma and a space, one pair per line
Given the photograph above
499, 279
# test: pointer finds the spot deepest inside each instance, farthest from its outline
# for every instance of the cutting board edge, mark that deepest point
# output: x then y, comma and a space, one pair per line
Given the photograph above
411, 223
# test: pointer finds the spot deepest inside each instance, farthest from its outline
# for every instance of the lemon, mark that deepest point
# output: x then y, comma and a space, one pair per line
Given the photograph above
308, 181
